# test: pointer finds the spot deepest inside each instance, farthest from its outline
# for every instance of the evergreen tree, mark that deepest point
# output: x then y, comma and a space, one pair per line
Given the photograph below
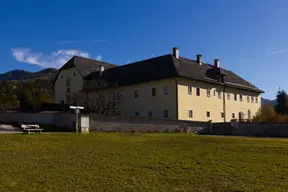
281, 107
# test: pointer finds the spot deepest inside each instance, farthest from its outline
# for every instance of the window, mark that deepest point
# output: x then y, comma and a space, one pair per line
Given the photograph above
68, 90
228, 96
256, 99
165, 90
249, 114
252, 99
222, 115
235, 97
208, 92
68, 99
208, 114
214, 93
248, 99
153, 92
233, 115
198, 91
219, 95
68, 82
74, 74
189, 90
241, 98
136, 94
190, 114
136, 114
149, 113
62, 77
62, 102
165, 113
116, 96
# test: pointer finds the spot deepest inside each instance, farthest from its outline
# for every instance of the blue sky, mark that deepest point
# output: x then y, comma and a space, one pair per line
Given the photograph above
248, 36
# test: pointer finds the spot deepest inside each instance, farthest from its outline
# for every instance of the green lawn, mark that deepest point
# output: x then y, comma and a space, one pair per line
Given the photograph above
142, 162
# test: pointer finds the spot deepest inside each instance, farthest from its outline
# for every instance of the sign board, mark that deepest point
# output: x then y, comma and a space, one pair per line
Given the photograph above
76, 107
84, 121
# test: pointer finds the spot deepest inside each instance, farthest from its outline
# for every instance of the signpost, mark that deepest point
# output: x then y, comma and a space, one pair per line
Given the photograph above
77, 110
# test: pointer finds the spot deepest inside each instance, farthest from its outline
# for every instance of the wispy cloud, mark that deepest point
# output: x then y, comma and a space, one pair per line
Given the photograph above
98, 57
98, 41
55, 59
277, 52
66, 42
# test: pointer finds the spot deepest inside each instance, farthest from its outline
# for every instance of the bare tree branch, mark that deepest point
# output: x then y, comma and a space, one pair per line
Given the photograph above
100, 96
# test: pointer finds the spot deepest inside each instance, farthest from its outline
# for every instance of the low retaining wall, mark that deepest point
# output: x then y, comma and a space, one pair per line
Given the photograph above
250, 129
260, 129
118, 124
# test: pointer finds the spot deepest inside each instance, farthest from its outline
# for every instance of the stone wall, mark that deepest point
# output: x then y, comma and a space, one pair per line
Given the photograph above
250, 129
260, 129
122, 124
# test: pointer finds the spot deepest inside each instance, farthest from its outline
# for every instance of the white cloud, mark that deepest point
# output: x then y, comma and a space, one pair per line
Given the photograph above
99, 57
55, 59
277, 52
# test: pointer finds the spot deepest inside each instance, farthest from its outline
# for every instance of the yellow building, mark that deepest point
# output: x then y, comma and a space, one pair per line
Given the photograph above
167, 86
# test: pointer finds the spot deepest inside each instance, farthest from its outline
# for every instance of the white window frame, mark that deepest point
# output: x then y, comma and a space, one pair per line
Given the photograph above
235, 97
190, 113
208, 93
136, 91
198, 88
166, 90
149, 114
219, 94
167, 113
190, 90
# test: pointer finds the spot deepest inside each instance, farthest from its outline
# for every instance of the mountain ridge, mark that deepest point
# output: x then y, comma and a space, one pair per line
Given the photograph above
19, 75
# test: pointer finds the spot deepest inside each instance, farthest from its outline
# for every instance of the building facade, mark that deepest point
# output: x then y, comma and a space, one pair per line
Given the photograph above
168, 86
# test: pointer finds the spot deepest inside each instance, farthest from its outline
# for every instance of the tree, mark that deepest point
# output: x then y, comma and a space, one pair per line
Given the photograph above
32, 94
281, 106
100, 96
267, 113
8, 99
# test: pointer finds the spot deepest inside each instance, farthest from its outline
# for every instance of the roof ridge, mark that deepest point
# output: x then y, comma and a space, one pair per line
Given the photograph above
77, 56
145, 60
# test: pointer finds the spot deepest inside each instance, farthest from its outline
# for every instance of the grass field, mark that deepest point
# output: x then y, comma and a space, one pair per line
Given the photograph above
142, 162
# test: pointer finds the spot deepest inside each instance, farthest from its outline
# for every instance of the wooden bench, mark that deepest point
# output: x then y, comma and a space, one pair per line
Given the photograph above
28, 131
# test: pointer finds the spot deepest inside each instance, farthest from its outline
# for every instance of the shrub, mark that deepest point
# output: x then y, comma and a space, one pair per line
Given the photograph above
267, 113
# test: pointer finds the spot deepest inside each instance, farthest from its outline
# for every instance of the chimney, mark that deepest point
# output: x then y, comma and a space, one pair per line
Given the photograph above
176, 52
216, 63
199, 59
101, 70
